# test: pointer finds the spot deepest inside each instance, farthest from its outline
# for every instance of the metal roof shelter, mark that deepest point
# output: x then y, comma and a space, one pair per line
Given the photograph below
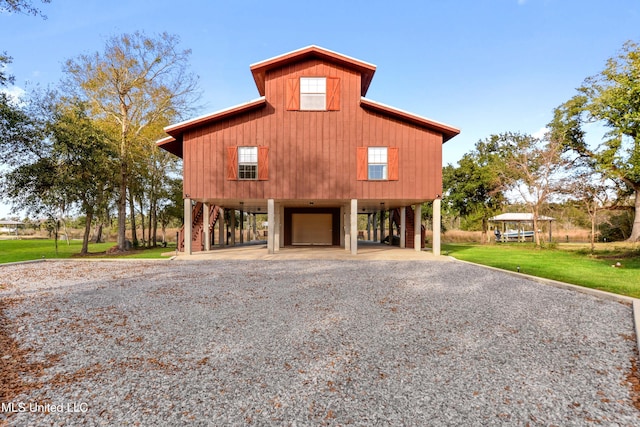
519, 219
10, 226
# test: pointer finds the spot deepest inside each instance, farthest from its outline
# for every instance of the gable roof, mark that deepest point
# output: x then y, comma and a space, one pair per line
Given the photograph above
447, 131
173, 143
366, 70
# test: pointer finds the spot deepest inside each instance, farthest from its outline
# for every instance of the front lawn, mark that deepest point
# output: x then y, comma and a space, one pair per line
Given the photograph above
566, 264
32, 249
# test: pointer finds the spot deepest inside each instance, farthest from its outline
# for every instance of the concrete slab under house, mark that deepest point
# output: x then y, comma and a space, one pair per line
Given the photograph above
312, 153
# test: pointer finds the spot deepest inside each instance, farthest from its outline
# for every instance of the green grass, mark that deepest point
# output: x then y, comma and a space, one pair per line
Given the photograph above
32, 249
577, 267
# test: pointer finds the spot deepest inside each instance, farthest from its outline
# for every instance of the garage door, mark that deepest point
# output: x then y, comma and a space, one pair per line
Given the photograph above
311, 229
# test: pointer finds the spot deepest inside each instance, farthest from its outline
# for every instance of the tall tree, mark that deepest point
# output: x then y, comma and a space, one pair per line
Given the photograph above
85, 159
611, 98
136, 82
474, 188
534, 169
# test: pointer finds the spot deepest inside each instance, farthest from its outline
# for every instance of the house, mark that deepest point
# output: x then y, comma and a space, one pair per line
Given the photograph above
313, 153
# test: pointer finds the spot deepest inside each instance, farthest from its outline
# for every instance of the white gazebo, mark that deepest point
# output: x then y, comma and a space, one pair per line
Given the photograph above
519, 234
10, 227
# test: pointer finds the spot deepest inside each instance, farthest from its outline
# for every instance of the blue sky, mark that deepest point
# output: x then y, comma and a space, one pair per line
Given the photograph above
484, 66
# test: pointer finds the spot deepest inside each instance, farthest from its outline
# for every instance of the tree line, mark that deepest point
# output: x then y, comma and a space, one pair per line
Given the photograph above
564, 164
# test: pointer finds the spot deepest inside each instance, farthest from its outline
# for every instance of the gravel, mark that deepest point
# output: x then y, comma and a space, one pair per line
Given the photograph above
312, 343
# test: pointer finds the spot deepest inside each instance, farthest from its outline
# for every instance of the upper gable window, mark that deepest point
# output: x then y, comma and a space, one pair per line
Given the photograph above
313, 93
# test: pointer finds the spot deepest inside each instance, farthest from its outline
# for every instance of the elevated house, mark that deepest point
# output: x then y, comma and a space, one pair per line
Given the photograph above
313, 153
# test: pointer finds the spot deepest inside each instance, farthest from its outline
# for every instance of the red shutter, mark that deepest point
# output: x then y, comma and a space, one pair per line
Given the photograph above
393, 163
232, 163
263, 163
362, 163
333, 93
292, 94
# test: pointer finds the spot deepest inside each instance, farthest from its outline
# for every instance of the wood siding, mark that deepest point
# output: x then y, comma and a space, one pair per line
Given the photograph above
311, 154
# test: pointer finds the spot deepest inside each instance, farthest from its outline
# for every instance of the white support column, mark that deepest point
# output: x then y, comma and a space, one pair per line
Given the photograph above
347, 227
403, 227
417, 228
354, 226
205, 221
271, 219
436, 226
278, 237
188, 210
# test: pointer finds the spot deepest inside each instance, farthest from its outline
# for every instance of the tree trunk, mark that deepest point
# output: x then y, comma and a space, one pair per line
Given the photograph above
153, 219
142, 217
635, 231
56, 226
134, 233
593, 229
535, 227
87, 231
485, 227
122, 208
97, 238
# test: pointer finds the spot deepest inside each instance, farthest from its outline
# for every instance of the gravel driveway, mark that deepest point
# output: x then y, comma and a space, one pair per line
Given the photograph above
308, 343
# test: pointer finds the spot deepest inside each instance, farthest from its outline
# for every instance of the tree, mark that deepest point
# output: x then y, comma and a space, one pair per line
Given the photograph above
611, 98
33, 181
85, 159
5, 79
534, 170
136, 82
21, 6
64, 160
475, 189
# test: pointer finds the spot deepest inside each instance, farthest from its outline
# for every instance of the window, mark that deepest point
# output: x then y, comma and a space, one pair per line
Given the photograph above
247, 162
313, 93
377, 163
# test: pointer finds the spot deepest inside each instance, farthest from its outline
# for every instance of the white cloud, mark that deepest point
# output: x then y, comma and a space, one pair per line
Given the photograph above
540, 133
15, 92
521, 2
